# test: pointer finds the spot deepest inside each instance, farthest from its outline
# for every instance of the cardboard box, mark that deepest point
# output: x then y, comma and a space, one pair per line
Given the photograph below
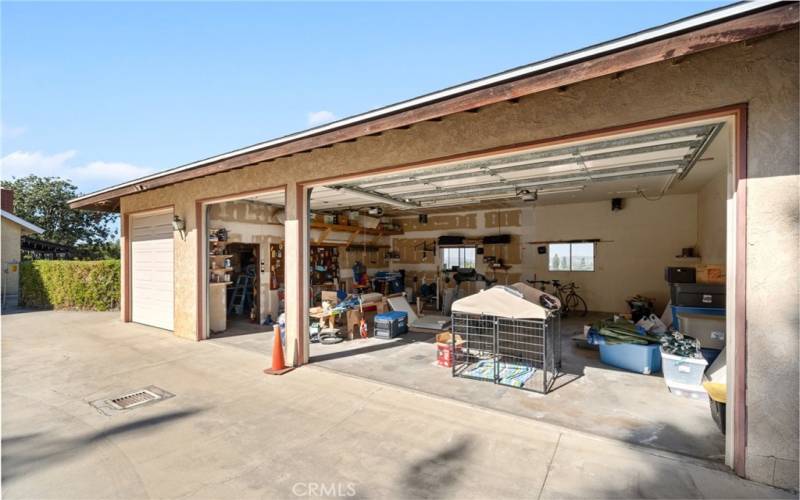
370, 222
354, 323
710, 274
330, 296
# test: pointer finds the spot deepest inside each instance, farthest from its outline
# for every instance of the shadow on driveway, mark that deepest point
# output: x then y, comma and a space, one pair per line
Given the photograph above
25, 452
433, 476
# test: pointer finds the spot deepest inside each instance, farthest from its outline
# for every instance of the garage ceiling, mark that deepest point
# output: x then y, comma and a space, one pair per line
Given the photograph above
651, 162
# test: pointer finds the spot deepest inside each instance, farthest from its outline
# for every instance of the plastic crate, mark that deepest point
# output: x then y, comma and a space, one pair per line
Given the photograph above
710, 355
697, 295
391, 324
708, 329
682, 310
637, 358
683, 371
688, 391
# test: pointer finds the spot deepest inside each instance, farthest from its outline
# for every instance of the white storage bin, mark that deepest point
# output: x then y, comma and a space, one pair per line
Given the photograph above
688, 391
681, 370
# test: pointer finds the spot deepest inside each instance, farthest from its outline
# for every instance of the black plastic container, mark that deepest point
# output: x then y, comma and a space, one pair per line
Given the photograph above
680, 274
697, 295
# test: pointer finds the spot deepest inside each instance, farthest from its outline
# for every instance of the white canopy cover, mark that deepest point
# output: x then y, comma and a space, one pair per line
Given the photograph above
519, 301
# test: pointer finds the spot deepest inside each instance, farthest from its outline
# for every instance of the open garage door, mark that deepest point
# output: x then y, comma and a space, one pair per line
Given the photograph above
151, 270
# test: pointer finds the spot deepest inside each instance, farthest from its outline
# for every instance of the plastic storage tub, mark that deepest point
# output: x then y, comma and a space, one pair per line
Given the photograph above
709, 329
689, 391
637, 358
680, 275
391, 324
683, 371
682, 311
697, 295
710, 355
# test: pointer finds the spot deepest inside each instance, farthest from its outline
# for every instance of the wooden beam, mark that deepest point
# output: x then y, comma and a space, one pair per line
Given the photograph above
759, 24
324, 235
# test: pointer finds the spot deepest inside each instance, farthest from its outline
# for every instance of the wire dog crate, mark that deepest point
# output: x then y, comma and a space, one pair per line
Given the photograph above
521, 353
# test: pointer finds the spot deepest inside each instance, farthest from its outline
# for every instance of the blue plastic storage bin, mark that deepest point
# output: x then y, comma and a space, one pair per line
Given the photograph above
711, 311
645, 359
391, 324
710, 355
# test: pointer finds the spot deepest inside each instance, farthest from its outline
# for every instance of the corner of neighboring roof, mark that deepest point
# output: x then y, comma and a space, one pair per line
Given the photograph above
22, 222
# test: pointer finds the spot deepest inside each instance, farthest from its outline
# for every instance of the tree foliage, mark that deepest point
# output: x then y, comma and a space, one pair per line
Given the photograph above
43, 201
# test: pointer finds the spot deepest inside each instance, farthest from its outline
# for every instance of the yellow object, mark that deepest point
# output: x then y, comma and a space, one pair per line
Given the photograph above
13, 268
447, 338
718, 392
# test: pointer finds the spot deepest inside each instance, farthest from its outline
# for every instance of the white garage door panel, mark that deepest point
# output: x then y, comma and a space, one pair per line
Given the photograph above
152, 270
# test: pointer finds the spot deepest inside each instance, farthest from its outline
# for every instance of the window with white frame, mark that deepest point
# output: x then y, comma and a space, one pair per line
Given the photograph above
571, 256
461, 257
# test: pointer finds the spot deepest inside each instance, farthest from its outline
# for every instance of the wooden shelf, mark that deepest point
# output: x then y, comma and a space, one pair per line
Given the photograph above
354, 229
216, 255
221, 270
356, 246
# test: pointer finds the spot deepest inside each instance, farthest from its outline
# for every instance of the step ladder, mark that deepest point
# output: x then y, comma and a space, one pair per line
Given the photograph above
242, 290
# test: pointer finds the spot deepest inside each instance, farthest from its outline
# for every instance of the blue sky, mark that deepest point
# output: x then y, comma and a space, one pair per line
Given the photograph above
101, 93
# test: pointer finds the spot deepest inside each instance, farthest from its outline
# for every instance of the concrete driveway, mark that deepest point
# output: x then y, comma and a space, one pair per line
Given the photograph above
232, 432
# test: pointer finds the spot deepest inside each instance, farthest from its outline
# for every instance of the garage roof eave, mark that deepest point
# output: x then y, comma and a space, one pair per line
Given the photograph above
108, 199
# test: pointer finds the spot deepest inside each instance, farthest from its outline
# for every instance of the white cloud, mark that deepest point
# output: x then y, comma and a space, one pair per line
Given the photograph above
319, 117
88, 176
9, 132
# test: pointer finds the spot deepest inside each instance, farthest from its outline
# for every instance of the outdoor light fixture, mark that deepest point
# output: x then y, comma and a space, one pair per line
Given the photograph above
178, 224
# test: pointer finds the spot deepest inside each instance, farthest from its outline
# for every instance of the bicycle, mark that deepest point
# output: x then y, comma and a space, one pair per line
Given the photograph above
569, 298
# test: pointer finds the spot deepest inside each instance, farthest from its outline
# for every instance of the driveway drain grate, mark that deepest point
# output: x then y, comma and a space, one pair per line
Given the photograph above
130, 400
134, 399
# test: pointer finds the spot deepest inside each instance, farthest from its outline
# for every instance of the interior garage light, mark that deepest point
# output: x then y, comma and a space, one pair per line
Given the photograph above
572, 189
526, 195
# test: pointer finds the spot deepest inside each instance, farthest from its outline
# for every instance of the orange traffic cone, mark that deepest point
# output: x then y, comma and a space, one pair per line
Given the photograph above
278, 365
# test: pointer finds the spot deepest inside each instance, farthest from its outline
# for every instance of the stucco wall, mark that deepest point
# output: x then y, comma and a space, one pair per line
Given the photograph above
10, 253
762, 73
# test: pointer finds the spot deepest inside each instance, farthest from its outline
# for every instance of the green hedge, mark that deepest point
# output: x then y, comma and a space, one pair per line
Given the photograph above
70, 284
